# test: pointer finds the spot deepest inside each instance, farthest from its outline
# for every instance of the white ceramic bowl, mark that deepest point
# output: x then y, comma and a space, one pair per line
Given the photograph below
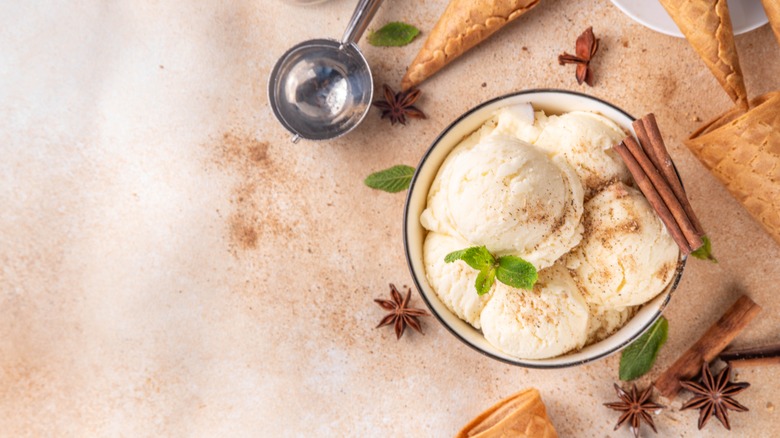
552, 102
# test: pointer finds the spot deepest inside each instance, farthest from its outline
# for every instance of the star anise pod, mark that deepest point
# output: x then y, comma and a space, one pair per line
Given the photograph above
635, 407
586, 47
400, 314
713, 395
399, 106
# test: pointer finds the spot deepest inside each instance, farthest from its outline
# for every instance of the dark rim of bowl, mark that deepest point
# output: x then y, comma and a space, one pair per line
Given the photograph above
519, 362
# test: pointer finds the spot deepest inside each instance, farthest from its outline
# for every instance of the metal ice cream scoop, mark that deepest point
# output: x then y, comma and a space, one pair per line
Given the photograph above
322, 89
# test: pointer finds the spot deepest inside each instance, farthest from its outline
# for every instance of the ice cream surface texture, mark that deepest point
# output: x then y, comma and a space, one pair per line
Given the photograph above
603, 321
547, 189
453, 282
585, 140
544, 322
626, 256
511, 197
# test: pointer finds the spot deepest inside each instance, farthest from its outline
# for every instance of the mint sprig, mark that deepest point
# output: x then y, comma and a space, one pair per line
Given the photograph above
393, 34
704, 252
510, 270
391, 180
638, 358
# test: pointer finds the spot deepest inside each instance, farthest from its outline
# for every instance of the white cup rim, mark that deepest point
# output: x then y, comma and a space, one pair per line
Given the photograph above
407, 223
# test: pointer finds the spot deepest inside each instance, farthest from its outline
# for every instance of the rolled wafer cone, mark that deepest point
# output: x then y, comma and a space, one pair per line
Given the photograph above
742, 149
772, 9
522, 415
464, 24
706, 24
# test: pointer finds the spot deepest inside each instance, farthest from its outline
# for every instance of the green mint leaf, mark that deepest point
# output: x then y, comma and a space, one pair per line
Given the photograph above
394, 34
705, 251
455, 255
485, 280
516, 272
391, 180
478, 257
639, 357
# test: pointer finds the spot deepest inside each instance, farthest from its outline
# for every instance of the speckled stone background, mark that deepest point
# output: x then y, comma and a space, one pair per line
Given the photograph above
170, 265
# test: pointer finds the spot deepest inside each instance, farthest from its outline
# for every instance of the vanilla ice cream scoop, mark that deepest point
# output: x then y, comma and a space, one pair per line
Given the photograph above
520, 121
509, 196
547, 321
626, 256
585, 140
603, 321
453, 282
438, 216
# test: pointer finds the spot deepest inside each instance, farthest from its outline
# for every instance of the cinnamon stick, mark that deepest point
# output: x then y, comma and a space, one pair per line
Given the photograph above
655, 200
664, 189
707, 348
756, 356
644, 140
650, 137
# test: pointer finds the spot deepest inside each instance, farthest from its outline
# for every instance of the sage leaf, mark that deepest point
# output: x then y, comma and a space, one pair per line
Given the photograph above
704, 252
391, 180
516, 272
478, 257
638, 358
485, 280
393, 34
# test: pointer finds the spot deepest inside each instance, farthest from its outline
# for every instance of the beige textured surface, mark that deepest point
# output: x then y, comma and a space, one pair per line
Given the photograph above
170, 265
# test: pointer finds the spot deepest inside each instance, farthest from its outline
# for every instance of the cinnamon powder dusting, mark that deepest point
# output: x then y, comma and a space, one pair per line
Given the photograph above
256, 211
665, 271
243, 233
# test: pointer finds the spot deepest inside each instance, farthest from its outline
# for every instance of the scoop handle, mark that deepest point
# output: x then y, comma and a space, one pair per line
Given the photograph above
363, 14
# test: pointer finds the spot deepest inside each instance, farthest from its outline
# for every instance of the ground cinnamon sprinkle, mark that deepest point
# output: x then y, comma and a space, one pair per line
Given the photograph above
255, 211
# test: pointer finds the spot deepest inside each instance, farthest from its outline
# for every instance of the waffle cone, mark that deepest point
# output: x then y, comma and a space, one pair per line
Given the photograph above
706, 24
464, 24
772, 9
522, 415
742, 149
